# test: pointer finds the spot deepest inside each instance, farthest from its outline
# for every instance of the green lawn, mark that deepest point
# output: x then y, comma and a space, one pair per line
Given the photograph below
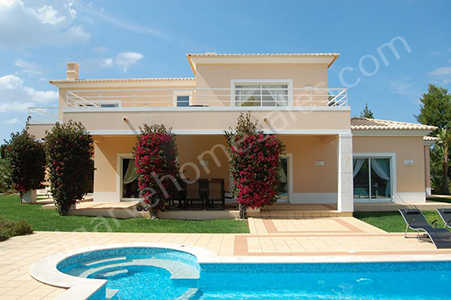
392, 221
439, 199
49, 220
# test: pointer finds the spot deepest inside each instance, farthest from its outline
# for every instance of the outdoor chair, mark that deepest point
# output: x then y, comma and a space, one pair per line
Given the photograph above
216, 194
192, 194
204, 192
415, 220
180, 194
445, 214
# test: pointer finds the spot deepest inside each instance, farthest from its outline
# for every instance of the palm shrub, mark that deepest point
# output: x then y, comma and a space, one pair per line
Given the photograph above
69, 152
255, 164
26, 162
156, 165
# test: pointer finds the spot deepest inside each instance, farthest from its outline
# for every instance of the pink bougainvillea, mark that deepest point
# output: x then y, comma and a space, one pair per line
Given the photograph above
254, 163
156, 164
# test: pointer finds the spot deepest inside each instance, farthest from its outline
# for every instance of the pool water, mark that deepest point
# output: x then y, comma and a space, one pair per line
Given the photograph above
154, 273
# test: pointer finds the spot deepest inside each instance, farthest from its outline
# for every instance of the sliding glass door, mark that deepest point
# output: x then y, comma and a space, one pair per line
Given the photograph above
372, 178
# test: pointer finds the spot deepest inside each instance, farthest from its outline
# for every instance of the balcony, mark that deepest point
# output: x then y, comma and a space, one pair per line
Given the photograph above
203, 111
239, 96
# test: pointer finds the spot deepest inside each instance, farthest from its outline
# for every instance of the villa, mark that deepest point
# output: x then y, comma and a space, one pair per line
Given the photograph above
330, 158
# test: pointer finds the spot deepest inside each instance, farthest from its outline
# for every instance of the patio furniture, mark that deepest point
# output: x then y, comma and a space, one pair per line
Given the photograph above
204, 192
415, 220
445, 214
192, 195
200, 194
216, 194
179, 201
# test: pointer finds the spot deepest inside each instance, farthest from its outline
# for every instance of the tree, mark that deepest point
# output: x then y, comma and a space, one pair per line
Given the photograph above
5, 171
444, 140
254, 165
26, 158
156, 166
435, 110
69, 152
367, 113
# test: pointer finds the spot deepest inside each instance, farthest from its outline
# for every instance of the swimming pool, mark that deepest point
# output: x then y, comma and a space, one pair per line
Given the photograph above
160, 273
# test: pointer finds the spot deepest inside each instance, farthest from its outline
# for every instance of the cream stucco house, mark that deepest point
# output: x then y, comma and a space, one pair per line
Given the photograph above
330, 157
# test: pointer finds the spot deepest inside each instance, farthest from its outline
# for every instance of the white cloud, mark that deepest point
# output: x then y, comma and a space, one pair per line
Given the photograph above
24, 25
402, 87
10, 82
48, 15
16, 96
28, 67
123, 60
79, 33
100, 14
442, 75
441, 71
107, 62
70, 8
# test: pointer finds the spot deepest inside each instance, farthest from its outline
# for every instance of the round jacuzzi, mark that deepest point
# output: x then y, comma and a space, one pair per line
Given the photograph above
137, 272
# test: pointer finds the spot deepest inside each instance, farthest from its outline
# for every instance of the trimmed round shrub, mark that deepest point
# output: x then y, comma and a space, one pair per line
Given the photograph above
69, 161
26, 161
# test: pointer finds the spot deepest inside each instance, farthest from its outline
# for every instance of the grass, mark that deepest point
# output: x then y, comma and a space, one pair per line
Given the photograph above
49, 220
439, 199
392, 221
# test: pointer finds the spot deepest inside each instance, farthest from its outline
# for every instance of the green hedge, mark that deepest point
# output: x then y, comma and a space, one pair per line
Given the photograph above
10, 228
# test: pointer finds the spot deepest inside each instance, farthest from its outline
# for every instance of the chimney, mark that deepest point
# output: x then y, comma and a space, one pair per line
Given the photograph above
72, 71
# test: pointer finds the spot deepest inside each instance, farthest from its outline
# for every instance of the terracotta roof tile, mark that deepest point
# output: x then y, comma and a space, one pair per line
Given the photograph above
376, 124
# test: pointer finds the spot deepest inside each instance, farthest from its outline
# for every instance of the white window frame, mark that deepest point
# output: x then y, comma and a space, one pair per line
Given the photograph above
119, 177
235, 82
393, 179
177, 93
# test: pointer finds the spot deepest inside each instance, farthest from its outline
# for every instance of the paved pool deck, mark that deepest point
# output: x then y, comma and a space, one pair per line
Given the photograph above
297, 240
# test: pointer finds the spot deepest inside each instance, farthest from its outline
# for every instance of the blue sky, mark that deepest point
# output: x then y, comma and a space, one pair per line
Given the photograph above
113, 39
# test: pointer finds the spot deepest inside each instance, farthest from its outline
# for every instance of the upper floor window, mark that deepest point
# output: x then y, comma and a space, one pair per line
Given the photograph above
262, 93
182, 101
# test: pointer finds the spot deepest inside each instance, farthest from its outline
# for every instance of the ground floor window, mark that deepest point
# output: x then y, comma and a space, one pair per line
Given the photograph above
129, 179
372, 178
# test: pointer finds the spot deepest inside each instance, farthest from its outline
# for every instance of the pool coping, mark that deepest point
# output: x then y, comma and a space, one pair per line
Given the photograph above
46, 271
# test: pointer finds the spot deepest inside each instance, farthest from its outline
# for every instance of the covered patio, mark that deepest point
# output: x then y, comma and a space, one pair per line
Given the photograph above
314, 170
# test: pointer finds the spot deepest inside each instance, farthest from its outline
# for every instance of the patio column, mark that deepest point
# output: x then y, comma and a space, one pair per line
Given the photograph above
427, 169
345, 200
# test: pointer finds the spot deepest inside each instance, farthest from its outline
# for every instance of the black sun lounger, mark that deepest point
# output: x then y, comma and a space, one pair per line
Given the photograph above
415, 220
445, 214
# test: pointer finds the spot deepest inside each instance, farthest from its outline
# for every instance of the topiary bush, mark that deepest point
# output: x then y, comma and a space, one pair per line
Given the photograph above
26, 162
156, 165
255, 163
69, 152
